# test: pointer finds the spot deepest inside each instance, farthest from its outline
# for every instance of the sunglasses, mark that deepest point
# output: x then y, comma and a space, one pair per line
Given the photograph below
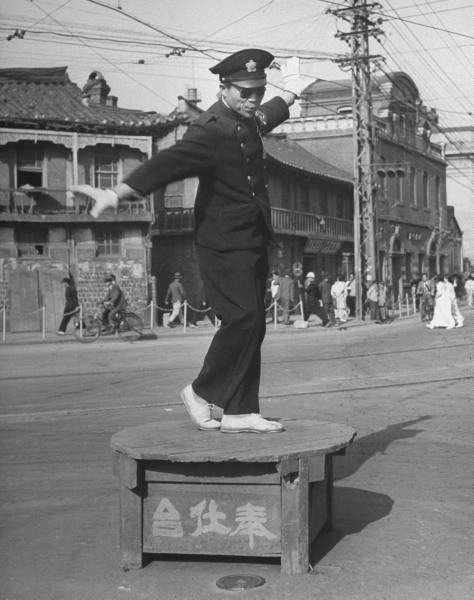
246, 93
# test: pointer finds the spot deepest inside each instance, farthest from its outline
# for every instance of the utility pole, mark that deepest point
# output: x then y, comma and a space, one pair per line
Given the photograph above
362, 26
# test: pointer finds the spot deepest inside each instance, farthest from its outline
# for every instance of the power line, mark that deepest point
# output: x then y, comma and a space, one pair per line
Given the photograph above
151, 26
111, 63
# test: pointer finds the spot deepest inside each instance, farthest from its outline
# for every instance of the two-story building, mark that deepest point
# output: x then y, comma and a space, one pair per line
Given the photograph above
54, 134
415, 229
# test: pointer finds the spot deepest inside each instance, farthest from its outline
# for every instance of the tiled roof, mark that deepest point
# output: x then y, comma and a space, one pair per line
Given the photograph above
293, 154
335, 150
40, 97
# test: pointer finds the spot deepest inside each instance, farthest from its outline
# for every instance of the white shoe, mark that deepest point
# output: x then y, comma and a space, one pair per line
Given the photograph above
450, 327
60, 332
430, 326
252, 423
199, 410
458, 325
102, 198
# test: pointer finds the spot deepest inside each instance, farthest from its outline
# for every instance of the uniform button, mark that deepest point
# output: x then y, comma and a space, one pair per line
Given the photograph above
247, 160
242, 144
239, 127
249, 178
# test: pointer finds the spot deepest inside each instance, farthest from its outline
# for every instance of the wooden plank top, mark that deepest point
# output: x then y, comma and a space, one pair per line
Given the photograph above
182, 442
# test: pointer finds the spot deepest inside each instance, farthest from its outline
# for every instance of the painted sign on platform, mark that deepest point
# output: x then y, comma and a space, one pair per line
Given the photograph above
183, 521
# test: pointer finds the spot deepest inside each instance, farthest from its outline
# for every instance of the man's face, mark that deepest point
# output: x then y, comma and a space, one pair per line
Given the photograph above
245, 107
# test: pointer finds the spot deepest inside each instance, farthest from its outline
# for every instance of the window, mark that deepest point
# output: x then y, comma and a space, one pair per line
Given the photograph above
425, 189
438, 193
107, 241
339, 206
174, 195
305, 197
32, 242
106, 170
400, 182
30, 160
413, 200
323, 202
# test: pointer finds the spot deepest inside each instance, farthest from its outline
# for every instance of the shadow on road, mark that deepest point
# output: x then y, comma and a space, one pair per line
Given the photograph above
369, 445
354, 508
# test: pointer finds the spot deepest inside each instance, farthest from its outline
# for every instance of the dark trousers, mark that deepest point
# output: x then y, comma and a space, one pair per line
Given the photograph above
68, 314
351, 305
234, 284
313, 308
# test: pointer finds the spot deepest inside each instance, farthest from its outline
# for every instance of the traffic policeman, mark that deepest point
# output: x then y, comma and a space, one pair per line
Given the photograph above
224, 149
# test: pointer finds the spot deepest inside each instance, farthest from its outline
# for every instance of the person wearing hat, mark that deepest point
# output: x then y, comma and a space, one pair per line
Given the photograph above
114, 301
71, 305
224, 149
313, 302
176, 295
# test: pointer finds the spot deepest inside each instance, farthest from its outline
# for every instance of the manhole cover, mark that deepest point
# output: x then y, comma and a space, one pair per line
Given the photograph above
237, 583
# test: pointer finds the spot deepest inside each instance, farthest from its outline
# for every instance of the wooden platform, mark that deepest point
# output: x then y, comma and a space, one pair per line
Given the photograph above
185, 491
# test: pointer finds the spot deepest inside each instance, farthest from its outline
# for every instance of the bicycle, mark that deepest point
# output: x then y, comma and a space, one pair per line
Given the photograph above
127, 325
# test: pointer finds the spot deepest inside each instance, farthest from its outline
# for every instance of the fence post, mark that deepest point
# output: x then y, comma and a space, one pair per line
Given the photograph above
301, 309
152, 315
80, 320
185, 315
400, 306
4, 323
275, 314
43, 322
414, 303
408, 306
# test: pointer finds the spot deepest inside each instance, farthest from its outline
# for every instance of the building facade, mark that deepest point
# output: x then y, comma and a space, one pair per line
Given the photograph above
415, 232
458, 146
54, 134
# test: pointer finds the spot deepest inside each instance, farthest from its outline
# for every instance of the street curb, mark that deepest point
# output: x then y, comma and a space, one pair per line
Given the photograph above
163, 332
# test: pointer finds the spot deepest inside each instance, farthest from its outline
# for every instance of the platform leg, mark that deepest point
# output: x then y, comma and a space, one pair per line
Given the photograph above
328, 525
295, 520
131, 513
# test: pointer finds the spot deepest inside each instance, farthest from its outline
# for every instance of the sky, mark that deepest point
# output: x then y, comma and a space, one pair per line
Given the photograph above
151, 51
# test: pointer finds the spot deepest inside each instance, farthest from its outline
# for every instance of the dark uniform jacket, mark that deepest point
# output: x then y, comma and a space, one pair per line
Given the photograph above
232, 208
72, 301
116, 296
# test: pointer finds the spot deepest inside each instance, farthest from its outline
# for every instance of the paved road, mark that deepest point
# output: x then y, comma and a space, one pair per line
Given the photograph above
403, 502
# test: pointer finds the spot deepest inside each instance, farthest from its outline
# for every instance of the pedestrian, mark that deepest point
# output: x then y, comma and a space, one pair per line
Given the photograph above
114, 302
373, 300
223, 147
175, 295
443, 308
469, 287
286, 295
382, 301
273, 296
313, 303
339, 294
326, 298
71, 305
458, 318
425, 292
351, 294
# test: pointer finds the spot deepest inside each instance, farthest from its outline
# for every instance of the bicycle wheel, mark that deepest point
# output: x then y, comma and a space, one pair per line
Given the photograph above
130, 327
89, 331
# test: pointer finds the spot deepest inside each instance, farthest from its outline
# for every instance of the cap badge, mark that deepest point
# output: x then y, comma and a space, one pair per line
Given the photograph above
251, 66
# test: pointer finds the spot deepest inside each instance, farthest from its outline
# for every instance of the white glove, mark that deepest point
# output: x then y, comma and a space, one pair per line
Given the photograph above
102, 198
293, 81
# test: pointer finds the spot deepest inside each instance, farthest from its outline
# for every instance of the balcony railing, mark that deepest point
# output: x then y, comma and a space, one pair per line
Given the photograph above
179, 220
36, 203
